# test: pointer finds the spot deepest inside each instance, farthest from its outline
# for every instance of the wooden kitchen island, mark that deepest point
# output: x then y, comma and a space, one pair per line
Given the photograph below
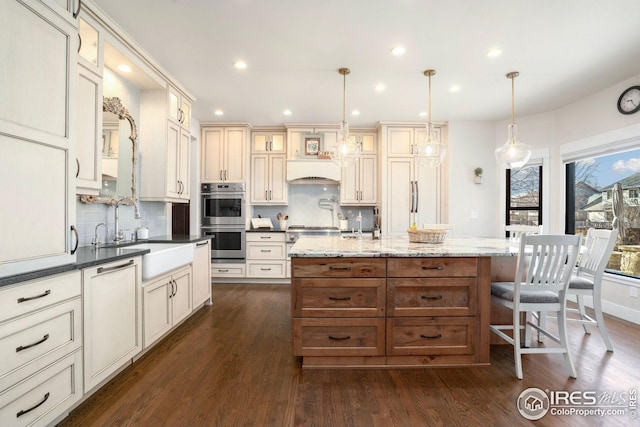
392, 303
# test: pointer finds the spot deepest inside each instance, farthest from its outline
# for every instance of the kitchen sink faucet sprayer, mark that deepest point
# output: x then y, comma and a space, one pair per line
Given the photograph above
118, 236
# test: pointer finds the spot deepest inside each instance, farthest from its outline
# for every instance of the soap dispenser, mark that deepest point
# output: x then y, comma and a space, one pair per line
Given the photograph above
359, 220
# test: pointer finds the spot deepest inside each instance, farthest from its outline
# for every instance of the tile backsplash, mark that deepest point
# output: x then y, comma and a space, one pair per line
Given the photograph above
88, 216
316, 205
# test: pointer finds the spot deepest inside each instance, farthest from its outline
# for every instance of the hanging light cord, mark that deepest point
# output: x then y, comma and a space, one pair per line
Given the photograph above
429, 122
512, 75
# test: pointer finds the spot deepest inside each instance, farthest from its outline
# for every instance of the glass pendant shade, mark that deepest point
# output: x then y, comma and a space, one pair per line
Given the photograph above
346, 150
513, 154
430, 151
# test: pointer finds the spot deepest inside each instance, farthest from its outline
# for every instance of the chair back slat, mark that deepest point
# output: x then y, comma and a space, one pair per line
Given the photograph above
599, 244
548, 260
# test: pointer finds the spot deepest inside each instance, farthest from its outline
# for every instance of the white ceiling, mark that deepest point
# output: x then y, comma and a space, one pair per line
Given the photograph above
563, 49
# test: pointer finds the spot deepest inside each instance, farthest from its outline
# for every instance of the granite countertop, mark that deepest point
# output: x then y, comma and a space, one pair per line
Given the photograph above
399, 246
88, 256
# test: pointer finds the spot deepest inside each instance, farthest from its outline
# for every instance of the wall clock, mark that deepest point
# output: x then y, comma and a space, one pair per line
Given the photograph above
629, 101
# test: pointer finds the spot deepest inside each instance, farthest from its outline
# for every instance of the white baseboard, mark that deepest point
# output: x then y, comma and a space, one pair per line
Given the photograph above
616, 310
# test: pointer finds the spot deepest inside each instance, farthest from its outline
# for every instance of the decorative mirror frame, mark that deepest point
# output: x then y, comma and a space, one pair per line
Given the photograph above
114, 105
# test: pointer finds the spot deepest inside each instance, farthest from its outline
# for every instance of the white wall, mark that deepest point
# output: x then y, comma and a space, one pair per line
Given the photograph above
471, 145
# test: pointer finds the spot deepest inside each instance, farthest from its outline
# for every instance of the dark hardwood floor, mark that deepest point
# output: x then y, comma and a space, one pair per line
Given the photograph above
231, 364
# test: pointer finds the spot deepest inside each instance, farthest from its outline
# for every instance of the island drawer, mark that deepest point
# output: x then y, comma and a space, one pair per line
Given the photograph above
339, 297
432, 267
339, 337
339, 267
410, 336
449, 296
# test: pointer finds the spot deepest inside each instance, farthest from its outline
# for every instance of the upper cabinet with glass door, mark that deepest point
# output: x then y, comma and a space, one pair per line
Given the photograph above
68, 9
91, 49
179, 108
268, 142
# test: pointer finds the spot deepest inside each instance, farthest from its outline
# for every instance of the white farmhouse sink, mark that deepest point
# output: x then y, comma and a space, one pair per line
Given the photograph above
163, 257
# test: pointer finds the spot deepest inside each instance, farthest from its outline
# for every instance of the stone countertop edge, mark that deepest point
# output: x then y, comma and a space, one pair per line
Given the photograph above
399, 246
265, 230
89, 256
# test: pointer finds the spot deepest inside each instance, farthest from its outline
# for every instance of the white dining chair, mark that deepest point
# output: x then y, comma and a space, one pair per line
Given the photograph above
587, 280
544, 266
516, 230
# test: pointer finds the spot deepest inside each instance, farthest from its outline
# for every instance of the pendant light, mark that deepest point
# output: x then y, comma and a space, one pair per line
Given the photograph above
346, 150
513, 154
430, 151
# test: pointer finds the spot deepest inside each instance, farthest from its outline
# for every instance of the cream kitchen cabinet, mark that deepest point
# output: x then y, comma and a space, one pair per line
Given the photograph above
201, 273
359, 184
112, 298
179, 108
268, 179
266, 255
224, 271
40, 349
68, 9
411, 193
268, 142
224, 153
89, 149
38, 132
164, 148
167, 301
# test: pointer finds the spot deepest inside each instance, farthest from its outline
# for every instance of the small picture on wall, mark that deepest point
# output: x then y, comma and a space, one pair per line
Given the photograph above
312, 145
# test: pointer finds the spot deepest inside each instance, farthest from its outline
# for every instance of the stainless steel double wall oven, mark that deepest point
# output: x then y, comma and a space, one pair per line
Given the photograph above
224, 220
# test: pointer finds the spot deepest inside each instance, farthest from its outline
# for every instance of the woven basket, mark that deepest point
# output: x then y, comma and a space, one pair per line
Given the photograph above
427, 236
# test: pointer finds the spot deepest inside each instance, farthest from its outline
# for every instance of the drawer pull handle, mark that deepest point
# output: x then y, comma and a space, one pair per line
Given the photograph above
115, 267
432, 297
331, 267
265, 250
435, 267
223, 270
42, 295
339, 298
265, 269
430, 336
24, 347
202, 243
21, 413
339, 338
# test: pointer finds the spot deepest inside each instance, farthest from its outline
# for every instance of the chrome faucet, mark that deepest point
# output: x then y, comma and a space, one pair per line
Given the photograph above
118, 235
96, 242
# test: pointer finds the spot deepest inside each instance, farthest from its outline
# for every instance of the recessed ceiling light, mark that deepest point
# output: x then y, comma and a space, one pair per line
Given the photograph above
423, 114
355, 113
494, 52
398, 50
124, 68
218, 112
380, 87
240, 65
454, 89
287, 112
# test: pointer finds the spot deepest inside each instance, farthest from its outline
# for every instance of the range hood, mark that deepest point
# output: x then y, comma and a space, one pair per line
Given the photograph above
312, 171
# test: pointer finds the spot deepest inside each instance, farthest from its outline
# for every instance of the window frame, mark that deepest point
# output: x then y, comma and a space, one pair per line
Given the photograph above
509, 208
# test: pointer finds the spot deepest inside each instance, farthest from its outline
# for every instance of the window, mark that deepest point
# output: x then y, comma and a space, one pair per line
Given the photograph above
589, 192
524, 196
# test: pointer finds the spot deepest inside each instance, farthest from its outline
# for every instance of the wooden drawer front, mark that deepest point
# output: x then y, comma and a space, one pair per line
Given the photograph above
43, 397
266, 251
25, 297
266, 269
431, 297
265, 237
338, 337
432, 267
339, 267
30, 342
339, 297
430, 335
